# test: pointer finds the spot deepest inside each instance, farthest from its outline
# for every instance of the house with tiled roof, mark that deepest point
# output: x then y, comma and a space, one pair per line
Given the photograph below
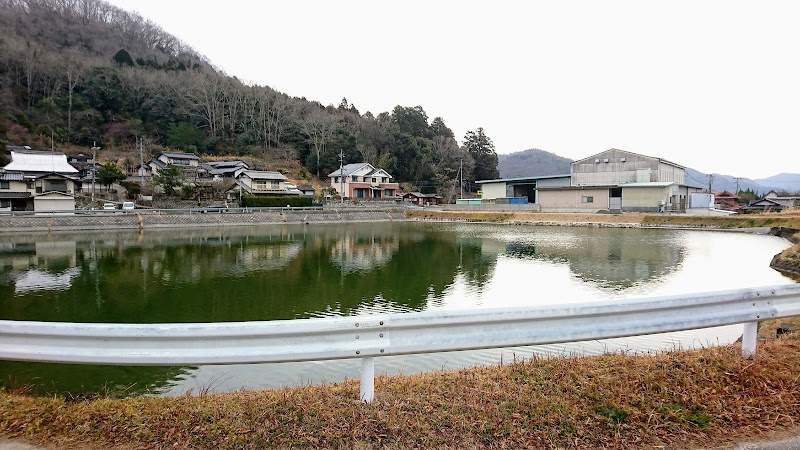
257, 182
38, 181
420, 199
187, 162
363, 181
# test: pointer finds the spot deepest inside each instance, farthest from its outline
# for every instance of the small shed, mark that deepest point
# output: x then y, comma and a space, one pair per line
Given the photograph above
420, 199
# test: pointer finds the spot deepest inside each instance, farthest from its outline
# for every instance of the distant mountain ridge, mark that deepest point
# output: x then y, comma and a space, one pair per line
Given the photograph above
532, 163
536, 162
783, 181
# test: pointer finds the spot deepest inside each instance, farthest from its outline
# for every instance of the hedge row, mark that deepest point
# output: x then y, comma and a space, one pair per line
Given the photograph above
259, 201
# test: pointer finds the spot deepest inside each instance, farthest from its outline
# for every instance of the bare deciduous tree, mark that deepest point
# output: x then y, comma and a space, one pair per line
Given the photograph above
319, 126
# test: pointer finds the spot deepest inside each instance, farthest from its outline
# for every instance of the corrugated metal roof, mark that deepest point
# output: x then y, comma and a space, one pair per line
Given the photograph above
33, 161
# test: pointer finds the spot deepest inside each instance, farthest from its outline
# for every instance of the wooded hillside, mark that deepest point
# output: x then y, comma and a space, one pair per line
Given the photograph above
78, 73
532, 163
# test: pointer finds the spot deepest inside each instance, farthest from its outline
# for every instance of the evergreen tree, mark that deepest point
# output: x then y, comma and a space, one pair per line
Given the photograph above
123, 58
109, 174
483, 153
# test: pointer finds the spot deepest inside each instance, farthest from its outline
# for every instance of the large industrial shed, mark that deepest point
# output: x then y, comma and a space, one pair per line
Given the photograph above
613, 180
616, 167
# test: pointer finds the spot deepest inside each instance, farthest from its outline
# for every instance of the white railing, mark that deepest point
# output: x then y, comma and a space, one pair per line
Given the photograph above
367, 337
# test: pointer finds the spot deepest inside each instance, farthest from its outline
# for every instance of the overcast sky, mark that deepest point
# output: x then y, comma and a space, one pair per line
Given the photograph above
712, 85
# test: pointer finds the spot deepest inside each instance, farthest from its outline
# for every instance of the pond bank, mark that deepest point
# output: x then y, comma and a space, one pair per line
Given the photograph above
783, 225
151, 220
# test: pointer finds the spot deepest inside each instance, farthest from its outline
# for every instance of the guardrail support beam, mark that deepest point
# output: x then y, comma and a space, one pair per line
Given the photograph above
749, 340
367, 380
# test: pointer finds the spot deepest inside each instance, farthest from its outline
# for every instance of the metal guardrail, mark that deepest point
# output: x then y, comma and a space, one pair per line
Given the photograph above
367, 337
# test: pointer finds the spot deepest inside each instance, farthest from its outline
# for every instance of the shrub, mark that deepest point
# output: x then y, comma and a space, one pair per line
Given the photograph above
261, 201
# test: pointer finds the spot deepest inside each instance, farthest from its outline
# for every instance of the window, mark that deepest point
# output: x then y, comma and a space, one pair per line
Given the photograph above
587, 199
5, 203
5, 185
373, 180
354, 178
58, 186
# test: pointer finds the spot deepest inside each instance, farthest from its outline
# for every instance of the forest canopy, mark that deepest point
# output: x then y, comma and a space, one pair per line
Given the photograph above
78, 73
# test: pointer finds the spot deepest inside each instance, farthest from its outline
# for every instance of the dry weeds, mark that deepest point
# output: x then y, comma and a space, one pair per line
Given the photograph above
677, 399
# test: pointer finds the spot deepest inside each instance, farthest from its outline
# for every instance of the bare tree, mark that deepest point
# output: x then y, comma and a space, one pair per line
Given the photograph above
204, 95
28, 57
74, 69
448, 161
319, 126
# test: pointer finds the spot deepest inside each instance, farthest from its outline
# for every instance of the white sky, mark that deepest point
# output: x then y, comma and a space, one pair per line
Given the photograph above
712, 85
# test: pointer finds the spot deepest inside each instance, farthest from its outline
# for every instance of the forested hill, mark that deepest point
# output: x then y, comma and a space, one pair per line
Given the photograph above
532, 163
84, 72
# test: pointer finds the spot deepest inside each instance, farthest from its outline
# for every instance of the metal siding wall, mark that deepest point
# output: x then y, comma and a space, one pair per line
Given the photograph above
589, 173
571, 199
493, 190
644, 197
554, 182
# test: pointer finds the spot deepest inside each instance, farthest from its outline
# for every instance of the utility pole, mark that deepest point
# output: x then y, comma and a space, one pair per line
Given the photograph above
737, 184
95, 148
710, 179
141, 165
461, 184
341, 175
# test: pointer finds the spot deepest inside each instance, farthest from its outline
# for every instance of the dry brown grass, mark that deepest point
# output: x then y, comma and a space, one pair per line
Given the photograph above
532, 217
677, 400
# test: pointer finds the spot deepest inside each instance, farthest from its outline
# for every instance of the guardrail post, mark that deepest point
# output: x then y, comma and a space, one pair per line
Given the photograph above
749, 340
367, 393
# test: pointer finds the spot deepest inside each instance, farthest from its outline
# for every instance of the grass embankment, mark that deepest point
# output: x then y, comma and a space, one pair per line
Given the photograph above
532, 217
682, 398
791, 220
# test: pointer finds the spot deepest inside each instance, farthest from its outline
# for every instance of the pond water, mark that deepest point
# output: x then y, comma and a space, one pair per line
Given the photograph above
302, 271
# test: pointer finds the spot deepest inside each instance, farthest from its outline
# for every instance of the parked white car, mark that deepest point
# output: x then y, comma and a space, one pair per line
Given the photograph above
108, 206
128, 206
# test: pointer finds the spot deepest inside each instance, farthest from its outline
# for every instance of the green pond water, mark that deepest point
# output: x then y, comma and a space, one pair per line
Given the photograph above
296, 272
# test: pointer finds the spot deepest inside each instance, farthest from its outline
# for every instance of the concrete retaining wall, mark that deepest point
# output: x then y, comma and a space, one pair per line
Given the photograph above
528, 207
164, 220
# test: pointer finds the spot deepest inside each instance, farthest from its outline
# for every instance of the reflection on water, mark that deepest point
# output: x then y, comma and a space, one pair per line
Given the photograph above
301, 271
